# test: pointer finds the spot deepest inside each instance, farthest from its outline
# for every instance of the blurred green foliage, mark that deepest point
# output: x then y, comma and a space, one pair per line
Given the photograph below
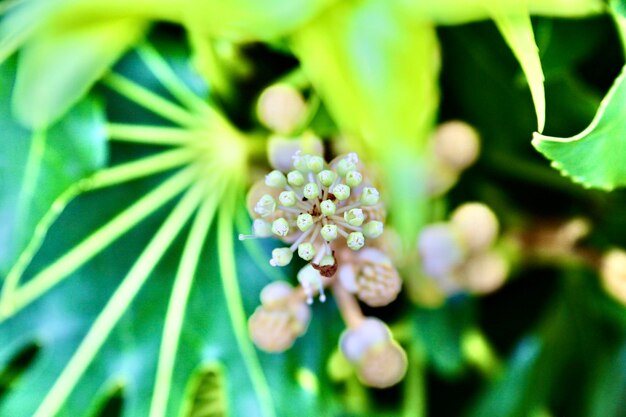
89, 342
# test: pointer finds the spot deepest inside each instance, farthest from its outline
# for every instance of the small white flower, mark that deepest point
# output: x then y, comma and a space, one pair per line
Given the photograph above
281, 257
328, 207
341, 191
265, 206
287, 198
354, 217
295, 178
370, 196
329, 232
373, 229
311, 191
280, 227
356, 240
276, 179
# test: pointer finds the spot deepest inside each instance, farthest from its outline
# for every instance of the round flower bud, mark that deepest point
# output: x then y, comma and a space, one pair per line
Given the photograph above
327, 177
265, 206
311, 281
354, 217
275, 293
261, 228
280, 227
329, 232
295, 178
281, 257
287, 198
370, 196
311, 191
477, 224
306, 251
373, 229
304, 221
281, 108
376, 281
441, 249
456, 144
341, 191
355, 240
613, 274
328, 207
276, 179
483, 273
354, 342
301, 161
383, 365
354, 178
315, 163
347, 164
274, 327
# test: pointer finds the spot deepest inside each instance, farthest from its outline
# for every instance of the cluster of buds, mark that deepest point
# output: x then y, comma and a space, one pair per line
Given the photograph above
320, 210
458, 254
455, 146
329, 215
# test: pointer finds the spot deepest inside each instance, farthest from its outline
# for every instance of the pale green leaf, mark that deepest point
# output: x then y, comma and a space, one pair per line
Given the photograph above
250, 19
58, 65
377, 73
595, 157
513, 21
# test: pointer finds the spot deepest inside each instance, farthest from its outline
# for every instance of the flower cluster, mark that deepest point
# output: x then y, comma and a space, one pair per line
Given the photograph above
458, 254
320, 210
331, 216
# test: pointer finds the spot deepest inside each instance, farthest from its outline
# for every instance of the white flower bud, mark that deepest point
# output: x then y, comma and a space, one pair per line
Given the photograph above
347, 164
304, 222
295, 178
354, 178
281, 108
275, 293
288, 198
327, 177
355, 240
306, 251
328, 207
280, 227
373, 229
370, 196
301, 161
315, 163
477, 224
341, 191
276, 179
265, 206
281, 257
354, 217
311, 191
261, 228
329, 232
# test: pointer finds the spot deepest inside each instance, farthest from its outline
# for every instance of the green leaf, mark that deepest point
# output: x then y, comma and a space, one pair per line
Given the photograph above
147, 309
246, 20
38, 169
72, 56
513, 21
376, 71
594, 157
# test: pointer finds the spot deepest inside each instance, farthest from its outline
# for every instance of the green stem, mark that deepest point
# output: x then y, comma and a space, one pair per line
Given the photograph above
140, 168
414, 384
178, 304
151, 135
32, 169
234, 304
152, 101
14, 299
119, 303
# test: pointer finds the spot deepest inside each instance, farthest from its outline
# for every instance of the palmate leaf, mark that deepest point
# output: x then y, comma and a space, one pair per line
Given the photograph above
179, 308
38, 168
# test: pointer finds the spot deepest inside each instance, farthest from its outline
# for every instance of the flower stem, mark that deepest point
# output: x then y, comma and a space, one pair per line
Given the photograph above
348, 306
